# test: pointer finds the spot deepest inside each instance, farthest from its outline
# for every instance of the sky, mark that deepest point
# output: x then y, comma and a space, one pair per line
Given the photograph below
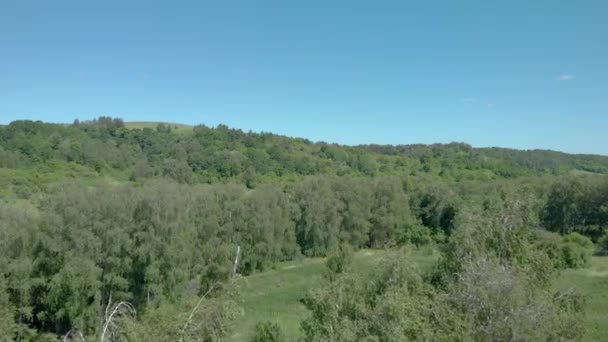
520, 74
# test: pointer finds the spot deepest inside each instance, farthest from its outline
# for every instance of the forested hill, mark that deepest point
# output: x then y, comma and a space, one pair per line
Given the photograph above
201, 154
98, 213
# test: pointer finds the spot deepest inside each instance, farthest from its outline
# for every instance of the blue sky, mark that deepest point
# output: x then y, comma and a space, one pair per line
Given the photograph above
522, 74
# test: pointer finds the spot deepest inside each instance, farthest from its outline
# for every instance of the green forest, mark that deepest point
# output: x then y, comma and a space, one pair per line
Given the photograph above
118, 231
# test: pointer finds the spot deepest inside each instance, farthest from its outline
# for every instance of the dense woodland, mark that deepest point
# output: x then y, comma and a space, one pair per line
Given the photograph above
97, 217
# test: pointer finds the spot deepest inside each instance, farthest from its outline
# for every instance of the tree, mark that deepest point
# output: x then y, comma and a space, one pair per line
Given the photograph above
8, 328
267, 232
562, 212
179, 171
317, 227
391, 219
577, 205
355, 209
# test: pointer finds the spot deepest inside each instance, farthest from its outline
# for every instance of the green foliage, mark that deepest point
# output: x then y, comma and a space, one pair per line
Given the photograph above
184, 320
339, 260
602, 245
17, 241
268, 332
391, 219
386, 306
505, 229
577, 205
8, 328
266, 228
437, 209
318, 225
576, 250
490, 285
494, 302
486, 302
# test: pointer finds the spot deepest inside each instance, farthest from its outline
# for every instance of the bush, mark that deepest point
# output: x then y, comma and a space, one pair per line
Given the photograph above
420, 235
499, 303
339, 261
268, 332
576, 250
389, 305
210, 321
602, 245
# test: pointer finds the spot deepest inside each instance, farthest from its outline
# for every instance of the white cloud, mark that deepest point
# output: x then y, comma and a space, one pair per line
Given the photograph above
565, 77
468, 99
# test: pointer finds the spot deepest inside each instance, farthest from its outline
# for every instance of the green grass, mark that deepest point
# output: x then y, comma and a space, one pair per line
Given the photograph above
275, 295
593, 283
179, 128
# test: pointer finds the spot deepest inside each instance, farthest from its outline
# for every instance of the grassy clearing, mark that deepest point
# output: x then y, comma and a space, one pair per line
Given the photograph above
593, 283
275, 295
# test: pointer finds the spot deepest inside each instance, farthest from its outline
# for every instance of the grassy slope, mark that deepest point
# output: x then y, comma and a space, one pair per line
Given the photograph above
275, 295
179, 128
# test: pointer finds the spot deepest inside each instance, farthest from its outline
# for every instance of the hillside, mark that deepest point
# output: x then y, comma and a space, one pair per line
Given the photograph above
165, 218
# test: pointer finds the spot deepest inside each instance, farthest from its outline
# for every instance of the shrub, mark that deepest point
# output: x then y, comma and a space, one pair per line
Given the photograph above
499, 303
576, 250
268, 332
339, 260
387, 306
602, 245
